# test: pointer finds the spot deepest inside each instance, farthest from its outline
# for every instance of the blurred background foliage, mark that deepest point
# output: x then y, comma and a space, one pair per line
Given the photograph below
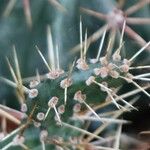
14, 30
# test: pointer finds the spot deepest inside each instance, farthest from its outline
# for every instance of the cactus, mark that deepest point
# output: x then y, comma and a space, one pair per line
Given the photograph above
78, 105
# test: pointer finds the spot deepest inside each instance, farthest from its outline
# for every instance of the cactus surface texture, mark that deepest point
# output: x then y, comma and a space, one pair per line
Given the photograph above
70, 70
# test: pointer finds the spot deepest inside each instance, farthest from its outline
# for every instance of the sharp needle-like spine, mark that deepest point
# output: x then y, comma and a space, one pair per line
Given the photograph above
51, 55
17, 67
122, 33
44, 60
118, 136
145, 92
65, 95
12, 71
113, 100
142, 75
108, 92
140, 67
57, 57
38, 76
81, 45
142, 79
13, 133
124, 101
43, 145
7, 146
101, 44
81, 130
9, 8
13, 84
9, 116
139, 52
91, 118
93, 111
116, 115
58, 117
139, 87
85, 45
47, 112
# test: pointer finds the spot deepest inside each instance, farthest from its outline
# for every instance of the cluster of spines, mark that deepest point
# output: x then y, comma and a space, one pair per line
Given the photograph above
114, 67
